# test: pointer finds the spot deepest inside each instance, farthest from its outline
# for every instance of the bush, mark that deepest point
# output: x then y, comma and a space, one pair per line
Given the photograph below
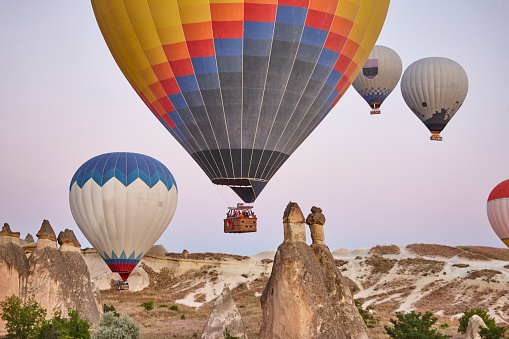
71, 327
365, 314
414, 326
489, 321
111, 327
149, 305
28, 320
110, 308
23, 320
174, 308
183, 316
492, 331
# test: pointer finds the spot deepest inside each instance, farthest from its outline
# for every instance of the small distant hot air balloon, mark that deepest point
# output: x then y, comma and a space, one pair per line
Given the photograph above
240, 84
122, 202
378, 77
434, 89
498, 211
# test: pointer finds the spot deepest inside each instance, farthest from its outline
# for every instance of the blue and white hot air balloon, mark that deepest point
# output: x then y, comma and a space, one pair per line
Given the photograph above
123, 202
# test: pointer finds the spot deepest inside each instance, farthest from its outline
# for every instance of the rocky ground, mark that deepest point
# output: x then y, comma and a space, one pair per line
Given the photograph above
444, 280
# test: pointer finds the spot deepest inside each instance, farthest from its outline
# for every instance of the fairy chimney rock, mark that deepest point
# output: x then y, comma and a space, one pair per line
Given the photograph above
224, 316
68, 242
293, 223
474, 325
316, 220
29, 238
6, 235
46, 236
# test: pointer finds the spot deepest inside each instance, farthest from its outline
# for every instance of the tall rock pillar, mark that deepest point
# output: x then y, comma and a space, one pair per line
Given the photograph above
305, 296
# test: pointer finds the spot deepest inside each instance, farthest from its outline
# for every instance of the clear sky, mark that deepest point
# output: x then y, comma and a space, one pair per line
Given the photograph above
378, 179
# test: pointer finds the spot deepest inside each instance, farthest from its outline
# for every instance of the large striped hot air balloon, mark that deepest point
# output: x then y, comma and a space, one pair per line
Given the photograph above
122, 202
434, 89
379, 76
498, 211
240, 83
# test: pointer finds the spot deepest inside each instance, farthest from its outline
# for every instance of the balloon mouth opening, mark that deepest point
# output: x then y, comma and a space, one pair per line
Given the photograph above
247, 189
124, 275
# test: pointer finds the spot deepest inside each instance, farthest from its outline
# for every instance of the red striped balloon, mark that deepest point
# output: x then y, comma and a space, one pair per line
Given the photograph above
498, 211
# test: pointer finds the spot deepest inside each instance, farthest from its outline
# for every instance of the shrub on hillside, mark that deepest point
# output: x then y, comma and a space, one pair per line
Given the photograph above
111, 327
71, 327
28, 320
492, 331
368, 318
414, 326
23, 320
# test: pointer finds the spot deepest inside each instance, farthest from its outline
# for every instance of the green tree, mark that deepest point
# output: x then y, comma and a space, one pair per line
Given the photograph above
489, 321
65, 328
414, 326
111, 327
491, 331
368, 318
496, 332
23, 320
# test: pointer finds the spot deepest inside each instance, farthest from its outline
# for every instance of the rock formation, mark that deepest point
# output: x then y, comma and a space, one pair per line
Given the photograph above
293, 223
316, 220
13, 272
68, 241
29, 239
306, 296
474, 326
224, 316
46, 236
58, 279
6, 235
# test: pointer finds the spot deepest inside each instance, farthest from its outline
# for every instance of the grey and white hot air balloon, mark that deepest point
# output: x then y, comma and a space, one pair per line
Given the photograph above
434, 89
379, 76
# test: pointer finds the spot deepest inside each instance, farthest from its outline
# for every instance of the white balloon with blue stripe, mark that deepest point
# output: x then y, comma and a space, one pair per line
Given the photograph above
123, 202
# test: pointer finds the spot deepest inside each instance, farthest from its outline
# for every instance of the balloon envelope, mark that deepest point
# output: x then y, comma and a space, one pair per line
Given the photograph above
379, 76
498, 210
122, 202
434, 89
240, 83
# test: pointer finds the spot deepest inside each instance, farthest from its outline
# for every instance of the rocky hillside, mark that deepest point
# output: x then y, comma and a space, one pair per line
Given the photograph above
442, 279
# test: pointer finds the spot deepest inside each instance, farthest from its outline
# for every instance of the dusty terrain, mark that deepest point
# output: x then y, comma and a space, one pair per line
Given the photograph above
444, 280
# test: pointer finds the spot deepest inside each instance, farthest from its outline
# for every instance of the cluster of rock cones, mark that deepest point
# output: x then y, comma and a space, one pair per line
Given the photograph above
56, 276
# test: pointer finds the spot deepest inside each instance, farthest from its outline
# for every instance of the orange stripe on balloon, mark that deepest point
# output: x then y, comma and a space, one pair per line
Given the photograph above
341, 26
176, 51
157, 89
227, 12
162, 71
197, 31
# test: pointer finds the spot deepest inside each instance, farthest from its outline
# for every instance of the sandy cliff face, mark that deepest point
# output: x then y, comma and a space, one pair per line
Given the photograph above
57, 278
13, 272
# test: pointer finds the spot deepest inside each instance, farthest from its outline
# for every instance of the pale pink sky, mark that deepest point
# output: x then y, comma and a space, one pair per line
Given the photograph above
378, 179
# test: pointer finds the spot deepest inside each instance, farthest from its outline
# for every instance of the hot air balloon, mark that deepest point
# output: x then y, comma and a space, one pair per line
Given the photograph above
434, 89
379, 75
122, 202
498, 211
240, 83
